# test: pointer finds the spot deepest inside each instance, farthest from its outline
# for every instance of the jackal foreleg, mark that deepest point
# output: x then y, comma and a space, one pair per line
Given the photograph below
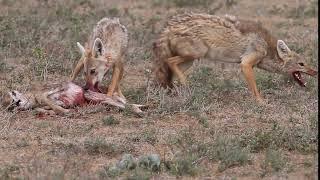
119, 96
115, 80
247, 63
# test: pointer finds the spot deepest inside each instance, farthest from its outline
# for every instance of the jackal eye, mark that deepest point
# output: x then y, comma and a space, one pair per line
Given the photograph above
92, 71
301, 64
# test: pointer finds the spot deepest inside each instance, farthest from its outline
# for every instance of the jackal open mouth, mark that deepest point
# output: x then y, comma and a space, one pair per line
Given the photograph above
297, 77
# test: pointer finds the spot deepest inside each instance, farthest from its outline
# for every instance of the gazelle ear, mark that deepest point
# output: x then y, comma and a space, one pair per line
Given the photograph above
282, 49
98, 47
81, 48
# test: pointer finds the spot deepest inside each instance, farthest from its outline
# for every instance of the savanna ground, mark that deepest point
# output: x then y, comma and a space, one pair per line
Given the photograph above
211, 129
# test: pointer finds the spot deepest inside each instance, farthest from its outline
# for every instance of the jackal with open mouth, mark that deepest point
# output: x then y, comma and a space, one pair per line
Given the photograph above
191, 36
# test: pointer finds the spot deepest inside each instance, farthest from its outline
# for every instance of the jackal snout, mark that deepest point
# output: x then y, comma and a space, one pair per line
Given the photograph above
96, 65
294, 64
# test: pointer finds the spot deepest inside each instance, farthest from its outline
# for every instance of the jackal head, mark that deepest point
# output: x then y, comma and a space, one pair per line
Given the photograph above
95, 64
293, 63
19, 101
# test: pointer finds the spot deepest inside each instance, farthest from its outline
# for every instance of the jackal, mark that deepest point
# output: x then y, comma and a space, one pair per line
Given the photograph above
191, 36
105, 49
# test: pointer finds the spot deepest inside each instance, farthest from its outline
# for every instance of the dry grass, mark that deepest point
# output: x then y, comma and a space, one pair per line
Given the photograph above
209, 129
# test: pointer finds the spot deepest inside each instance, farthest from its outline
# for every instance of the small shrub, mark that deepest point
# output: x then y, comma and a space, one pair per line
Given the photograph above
8, 171
313, 120
22, 143
96, 146
292, 139
203, 120
131, 168
228, 152
303, 10
135, 95
230, 3
139, 174
191, 3
312, 9
158, 3
114, 12
3, 67
273, 162
261, 141
151, 162
182, 3
183, 165
113, 172
150, 136
127, 162
40, 65
225, 150
110, 120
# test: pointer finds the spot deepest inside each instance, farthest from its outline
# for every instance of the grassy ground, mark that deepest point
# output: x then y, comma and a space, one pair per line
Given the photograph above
211, 129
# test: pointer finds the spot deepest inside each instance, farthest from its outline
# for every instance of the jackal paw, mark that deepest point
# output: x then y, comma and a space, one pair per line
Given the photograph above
261, 101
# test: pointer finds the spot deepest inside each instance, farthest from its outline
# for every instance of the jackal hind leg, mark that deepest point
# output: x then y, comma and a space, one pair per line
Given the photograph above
187, 50
247, 63
173, 63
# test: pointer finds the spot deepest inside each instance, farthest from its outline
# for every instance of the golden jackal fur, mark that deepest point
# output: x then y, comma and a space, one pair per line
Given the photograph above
191, 36
105, 49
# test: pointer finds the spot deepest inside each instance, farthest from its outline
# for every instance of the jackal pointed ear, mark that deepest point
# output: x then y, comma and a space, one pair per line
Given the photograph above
98, 47
81, 48
283, 49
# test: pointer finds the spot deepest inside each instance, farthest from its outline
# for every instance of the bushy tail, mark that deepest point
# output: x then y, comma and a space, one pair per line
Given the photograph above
162, 72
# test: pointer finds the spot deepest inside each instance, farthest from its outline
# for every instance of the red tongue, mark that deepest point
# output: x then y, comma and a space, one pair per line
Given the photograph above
298, 78
299, 75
